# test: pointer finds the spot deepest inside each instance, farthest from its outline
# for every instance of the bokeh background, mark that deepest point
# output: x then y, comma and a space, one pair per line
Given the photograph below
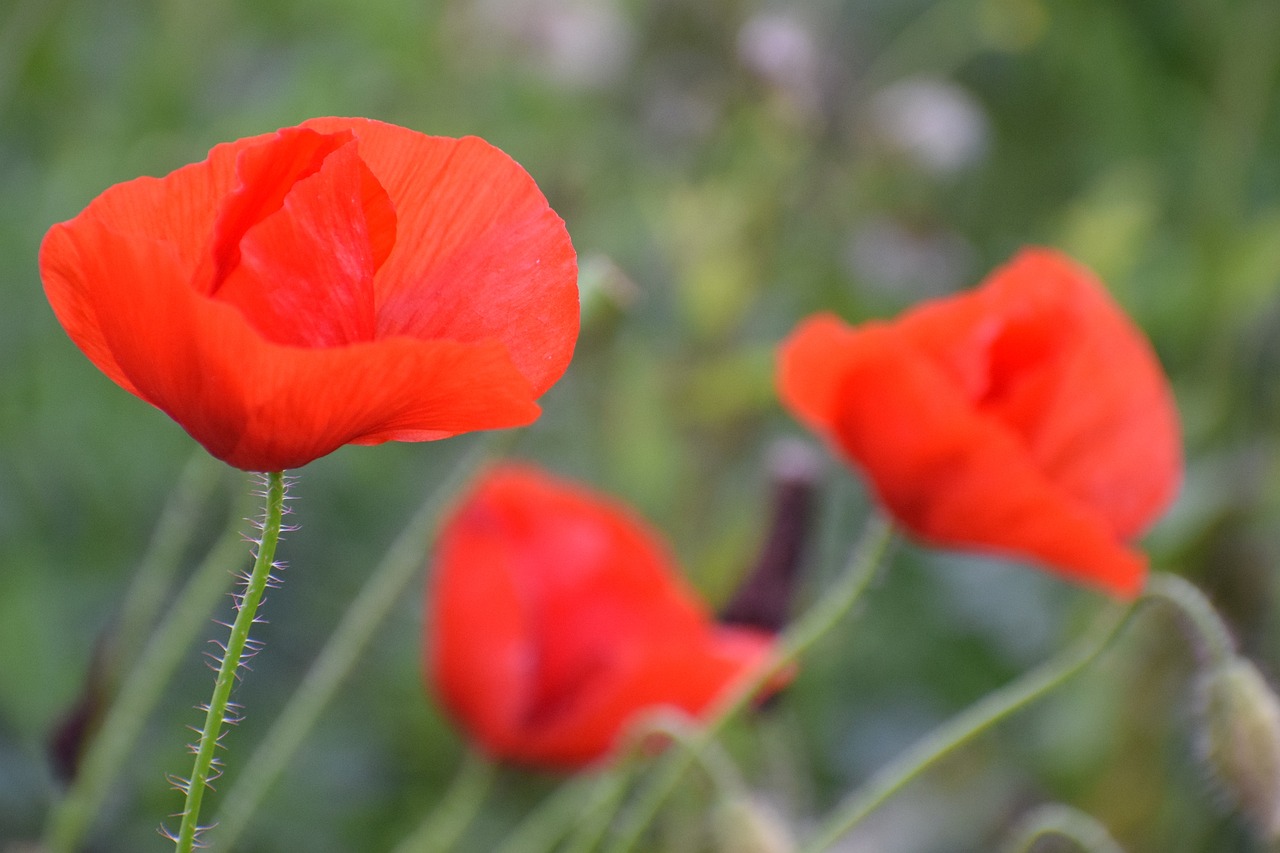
725, 167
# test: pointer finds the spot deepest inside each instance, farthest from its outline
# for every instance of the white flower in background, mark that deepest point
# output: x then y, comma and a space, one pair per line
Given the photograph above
888, 257
782, 51
581, 44
934, 122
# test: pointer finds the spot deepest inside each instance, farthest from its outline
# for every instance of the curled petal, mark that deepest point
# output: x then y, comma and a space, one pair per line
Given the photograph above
258, 297
1028, 418
555, 618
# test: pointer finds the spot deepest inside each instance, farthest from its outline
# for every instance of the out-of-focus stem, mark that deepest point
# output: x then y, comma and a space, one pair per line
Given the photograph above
957, 731
140, 691
821, 618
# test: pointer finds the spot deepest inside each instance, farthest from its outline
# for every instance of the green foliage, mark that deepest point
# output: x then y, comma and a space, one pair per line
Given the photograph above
729, 166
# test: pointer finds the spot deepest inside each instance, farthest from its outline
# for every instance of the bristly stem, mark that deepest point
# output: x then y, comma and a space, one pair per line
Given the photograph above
383, 588
205, 767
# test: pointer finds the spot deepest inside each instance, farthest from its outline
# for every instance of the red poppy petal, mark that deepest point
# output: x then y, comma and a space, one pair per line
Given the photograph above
263, 406
145, 320
957, 478
305, 271
1042, 348
479, 253
608, 628
811, 365
1107, 427
481, 668
177, 210
308, 403
686, 672
266, 173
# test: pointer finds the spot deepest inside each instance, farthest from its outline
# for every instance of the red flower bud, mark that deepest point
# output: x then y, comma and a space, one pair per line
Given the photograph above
1028, 418
340, 282
555, 617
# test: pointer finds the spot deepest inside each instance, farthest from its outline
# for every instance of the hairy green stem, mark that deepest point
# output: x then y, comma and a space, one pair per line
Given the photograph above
446, 823
204, 768
139, 692
1209, 633
544, 827
384, 587
957, 731
821, 618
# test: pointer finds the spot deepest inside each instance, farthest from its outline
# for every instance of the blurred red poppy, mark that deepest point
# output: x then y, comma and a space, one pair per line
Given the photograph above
555, 616
1028, 417
340, 282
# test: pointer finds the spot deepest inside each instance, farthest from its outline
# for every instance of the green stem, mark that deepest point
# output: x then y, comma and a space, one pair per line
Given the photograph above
960, 729
1210, 635
385, 586
442, 828
204, 767
821, 618
139, 692
543, 828
593, 821
1061, 821
196, 483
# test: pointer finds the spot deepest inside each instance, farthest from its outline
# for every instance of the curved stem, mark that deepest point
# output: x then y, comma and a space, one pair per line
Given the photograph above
960, 729
1064, 822
444, 825
1210, 635
204, 767
821, 618
140, 691
384, 587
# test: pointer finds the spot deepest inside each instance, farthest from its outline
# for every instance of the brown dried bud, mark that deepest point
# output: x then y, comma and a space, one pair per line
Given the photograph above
1241, 740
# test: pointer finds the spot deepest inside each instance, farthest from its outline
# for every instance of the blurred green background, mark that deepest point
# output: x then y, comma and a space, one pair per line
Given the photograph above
725, 167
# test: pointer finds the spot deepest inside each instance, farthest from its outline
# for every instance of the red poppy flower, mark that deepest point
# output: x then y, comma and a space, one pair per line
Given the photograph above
555, 616
1028, 417
340, 282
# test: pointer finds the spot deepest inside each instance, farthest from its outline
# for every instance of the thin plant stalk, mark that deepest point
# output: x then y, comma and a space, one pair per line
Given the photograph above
544, 827
957, 731
140, 690
820, 619
593, 822
173, 531
446, 823
384, 587
1060, 821
205, 767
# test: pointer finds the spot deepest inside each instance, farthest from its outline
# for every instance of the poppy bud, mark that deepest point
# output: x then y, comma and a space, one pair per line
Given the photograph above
1027, 418
764, 598
1241, 740
556, 616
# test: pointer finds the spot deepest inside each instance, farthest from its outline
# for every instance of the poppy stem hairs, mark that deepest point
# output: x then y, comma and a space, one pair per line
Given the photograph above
206, 766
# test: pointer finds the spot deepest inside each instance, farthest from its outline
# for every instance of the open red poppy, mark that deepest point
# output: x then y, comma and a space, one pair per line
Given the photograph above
1028, 417
340, 282
555, 616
